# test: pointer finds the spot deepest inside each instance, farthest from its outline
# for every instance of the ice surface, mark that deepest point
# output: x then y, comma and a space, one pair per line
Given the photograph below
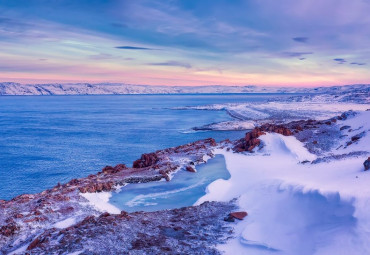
100, 201
248, 115
183, 190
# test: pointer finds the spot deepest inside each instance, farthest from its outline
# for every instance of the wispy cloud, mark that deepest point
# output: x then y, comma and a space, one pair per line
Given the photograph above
172, 63
133, 48
359, 64
300, 39
294, 54
340, 60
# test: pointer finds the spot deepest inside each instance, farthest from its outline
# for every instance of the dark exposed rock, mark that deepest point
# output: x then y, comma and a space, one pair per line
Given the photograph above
367, 164
345, 127
357, 137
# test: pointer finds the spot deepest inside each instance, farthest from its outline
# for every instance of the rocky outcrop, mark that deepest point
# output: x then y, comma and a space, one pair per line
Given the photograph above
176, 231
20, 215
251, 141
146, 160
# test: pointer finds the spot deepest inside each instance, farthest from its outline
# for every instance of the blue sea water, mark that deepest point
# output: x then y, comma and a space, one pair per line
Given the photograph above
49, 139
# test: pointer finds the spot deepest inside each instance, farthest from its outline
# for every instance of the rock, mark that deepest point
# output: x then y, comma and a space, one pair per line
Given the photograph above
235, 215
120, 167
314, 142
113, 170
251, 141
367, 164
35, 243
357, 137
345, 127
238, 215
9, 230
108, 170
190, 169
146, 160
229, 218
82, 189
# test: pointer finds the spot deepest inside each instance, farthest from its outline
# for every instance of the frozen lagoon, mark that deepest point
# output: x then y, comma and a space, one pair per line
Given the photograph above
184, 189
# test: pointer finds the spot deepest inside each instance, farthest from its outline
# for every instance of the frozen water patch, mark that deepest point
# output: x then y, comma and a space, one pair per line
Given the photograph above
100, 201
183, 190
228, 125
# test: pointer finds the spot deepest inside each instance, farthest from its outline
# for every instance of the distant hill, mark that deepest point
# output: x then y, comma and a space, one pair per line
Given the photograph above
11, 88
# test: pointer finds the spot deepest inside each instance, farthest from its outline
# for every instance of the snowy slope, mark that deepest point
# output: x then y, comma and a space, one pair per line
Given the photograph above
296, 208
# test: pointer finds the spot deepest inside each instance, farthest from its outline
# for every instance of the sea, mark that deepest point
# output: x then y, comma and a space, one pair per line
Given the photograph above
49, 139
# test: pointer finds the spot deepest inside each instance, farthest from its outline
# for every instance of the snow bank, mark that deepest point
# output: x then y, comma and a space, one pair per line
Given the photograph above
100, 201
65, 223
296, 208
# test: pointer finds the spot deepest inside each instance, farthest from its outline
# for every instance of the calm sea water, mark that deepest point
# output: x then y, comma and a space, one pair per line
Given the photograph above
49, 139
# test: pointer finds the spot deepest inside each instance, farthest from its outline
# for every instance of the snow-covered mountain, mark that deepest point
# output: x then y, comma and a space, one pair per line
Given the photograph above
11, 88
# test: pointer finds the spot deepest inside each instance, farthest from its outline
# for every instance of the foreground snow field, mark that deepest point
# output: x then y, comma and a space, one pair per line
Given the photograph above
296, 207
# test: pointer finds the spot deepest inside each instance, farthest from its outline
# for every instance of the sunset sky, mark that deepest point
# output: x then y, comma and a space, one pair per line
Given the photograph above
186, 42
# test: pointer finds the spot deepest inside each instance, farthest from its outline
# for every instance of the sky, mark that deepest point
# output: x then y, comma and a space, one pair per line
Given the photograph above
186, 42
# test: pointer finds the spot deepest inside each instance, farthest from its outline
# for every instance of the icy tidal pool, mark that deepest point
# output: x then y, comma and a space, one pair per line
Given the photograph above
184, 189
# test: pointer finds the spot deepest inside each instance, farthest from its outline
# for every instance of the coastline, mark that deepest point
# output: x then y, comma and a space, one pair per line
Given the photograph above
64, 202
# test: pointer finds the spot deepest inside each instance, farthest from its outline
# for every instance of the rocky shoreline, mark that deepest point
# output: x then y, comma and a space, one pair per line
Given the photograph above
60, 220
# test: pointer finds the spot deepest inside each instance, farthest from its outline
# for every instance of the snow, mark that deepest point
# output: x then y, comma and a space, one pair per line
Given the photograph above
296, 208
76, 252
20, 250
65, 223
100, 201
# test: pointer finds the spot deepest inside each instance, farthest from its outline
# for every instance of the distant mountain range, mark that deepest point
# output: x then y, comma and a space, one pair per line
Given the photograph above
11, 88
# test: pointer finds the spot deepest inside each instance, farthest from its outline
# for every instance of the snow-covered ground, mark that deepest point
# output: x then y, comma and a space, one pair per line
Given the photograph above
318, 107
296, 208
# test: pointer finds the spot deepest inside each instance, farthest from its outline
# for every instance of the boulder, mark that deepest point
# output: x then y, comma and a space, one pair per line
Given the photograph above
238, 215
235, 215
190, 169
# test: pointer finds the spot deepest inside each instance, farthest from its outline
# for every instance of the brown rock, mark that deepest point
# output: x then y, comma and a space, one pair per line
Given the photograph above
120, 167
35, 243
190, 169
146, 160
82, 189
108, 170
238, 215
